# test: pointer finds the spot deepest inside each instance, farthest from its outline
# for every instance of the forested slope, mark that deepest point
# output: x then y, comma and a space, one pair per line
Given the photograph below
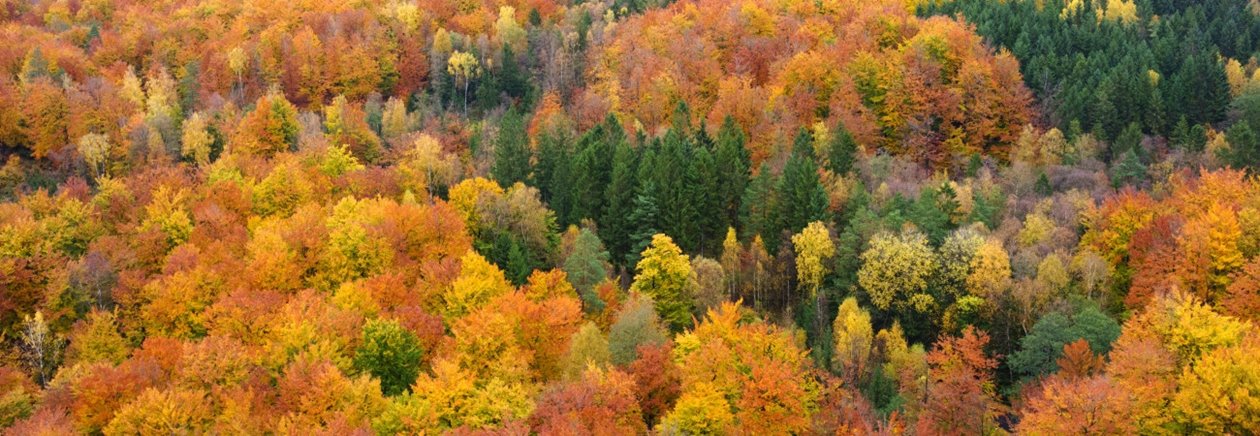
629, 217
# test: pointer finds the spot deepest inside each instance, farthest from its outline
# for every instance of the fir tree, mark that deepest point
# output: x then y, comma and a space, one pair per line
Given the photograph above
843, 151
803, 198
511, 150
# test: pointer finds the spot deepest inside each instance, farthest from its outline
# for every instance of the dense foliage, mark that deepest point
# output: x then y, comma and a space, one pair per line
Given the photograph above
629, 216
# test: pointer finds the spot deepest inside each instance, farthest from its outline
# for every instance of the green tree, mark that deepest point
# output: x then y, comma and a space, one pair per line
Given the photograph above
586, 267
390, 353
637, 324
843, 150
1044, 344
758, 210
802, 196
620, 195
511, 150
733, 166
1244, 148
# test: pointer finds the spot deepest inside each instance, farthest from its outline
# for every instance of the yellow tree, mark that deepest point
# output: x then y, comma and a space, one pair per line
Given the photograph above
813, 249
94, 147
732, 252
990, 271
196, 139
464, 67
664, 274
896, 268
479, 281
853, 339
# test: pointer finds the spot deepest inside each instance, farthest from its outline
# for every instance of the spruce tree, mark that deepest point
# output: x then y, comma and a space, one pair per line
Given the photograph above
733, 165
614, 225
511, 150
803, 198
843, 151
1244, 149
644, 221
759, 210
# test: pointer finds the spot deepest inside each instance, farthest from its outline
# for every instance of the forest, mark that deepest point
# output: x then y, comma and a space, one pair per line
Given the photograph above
924, 217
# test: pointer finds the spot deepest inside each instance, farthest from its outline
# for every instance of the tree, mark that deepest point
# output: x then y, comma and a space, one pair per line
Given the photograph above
464, 67
479, 281
1244, 147
843, 151
642, 223
1217, 393
175, 410
390, 353
802, 196
96, 339
46, 113
1129, 170
665, 275
1043, 345
960, 397
637, 325
774, 393
814, 250
990, 271
599, 402
732, 165
1090, 405
41, 348
853, 341
896, 268
196, 141
94, 147
511, 150
588, 349
586, 267
507, 30
270, 128
758, 207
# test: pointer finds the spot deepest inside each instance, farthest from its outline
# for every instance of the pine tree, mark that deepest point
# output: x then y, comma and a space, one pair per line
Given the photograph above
511, 150
758, 210
1130, 139
1042, 187
552, 174
733, 166
615, 225
1129, 170
1244, 149
843, 151
802, 196
643, 222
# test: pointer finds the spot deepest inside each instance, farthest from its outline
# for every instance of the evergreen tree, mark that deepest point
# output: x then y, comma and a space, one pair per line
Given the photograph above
586, 267
643, 222
615, 224
1130, 139
552, 174
929, 217
592, 170
1043, 187
733, 165
759, 210
1129, 170
843, 151
1203, 89
703, 194
802, 196
511, 150
1244, 151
